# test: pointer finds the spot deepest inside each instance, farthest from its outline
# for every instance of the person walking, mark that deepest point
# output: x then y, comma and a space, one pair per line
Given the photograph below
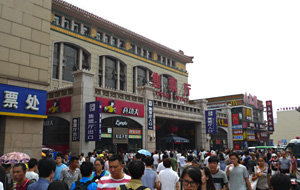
19, 172
262, 173
99, 172
274, 164
207, 180
32, 169
47, 167
252, 162
71, 173
285, 164
156, 159
294, 163
167, 178
59, 166
148, 179
219, 176
237, 174
86, 170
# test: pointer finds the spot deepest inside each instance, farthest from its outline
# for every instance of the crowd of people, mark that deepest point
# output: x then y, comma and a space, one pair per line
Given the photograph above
167, 170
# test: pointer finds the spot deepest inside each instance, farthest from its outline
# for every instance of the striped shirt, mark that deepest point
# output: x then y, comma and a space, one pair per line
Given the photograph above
109, 183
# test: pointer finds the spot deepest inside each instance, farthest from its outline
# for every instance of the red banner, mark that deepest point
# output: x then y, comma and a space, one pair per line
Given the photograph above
59, 105
121, 107
270, 115
235, 119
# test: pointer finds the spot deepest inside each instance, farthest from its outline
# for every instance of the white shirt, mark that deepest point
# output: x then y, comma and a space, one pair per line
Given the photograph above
177, 156
82, 160
182, 161
32, 176
160, 167
1, 185
155, 157
92, 159
168, 179
206, 161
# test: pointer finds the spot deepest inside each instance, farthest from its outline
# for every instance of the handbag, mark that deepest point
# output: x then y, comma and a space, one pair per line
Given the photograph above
254, 183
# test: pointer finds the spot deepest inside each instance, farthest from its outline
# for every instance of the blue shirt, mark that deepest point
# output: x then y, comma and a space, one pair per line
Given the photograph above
148, 179
41, 184
58, 171
92, 186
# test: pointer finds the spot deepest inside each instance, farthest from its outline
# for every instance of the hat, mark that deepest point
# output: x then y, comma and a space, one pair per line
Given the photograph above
273, 155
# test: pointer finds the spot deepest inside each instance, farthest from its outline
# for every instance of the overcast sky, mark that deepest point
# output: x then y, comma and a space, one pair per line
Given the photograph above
238, 46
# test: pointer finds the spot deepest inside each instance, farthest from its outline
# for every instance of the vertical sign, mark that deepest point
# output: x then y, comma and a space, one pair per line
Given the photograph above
235, 119
76, 129
93, 116
150, 114
270, 115
211, 121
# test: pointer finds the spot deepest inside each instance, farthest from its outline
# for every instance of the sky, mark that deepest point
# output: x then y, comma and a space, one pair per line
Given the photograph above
238, 46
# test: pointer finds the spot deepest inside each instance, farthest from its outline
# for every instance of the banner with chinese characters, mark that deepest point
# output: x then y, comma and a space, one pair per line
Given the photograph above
270, 115
23, 102
150, 115
76, 129
121, 107
211, 121
93, 116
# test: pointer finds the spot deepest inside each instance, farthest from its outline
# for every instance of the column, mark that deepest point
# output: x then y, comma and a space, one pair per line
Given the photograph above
81, 28
61, 64
118, 78
83, 92
135, 79
62, 21
202, 139
229, 134
72, 24
80, 59
103, 70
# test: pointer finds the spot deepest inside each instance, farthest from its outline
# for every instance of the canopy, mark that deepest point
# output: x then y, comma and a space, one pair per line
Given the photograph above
172, 138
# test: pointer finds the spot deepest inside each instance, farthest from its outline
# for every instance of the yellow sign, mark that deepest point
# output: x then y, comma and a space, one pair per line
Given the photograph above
233, 103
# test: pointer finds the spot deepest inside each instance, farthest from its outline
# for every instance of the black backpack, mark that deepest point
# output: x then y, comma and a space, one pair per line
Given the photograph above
123, 187
81, 185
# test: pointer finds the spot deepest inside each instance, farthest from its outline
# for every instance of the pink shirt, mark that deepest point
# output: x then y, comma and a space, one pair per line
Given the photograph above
108, 183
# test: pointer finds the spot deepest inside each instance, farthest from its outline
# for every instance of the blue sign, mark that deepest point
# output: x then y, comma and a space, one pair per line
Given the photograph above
284, 141
24, 102
76, 129
150, 114
211, 121
93, 116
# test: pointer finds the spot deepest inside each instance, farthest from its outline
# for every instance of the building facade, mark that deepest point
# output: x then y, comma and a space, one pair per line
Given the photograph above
287, 126
24, 53
142, 86
243, 125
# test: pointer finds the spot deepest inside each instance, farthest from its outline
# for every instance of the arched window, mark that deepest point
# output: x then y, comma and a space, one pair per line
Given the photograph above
141, 76
68, 58
112, 73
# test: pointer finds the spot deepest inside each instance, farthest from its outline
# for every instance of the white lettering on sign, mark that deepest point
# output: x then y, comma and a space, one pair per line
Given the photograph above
10, 99
32, 102
130, 111
121, 123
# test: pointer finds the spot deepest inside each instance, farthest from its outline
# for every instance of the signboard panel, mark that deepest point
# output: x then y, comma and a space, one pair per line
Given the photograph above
59, 105
211, 121
235, 119
93, 116
76, 129
120, 135
24, 102
270, 115
121, 107
150, 114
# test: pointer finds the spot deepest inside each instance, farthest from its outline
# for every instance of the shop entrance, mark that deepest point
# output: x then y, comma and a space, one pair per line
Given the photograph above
219, 140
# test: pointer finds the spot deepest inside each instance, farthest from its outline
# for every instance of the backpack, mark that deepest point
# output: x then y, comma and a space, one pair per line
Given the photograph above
82, 186
123, 187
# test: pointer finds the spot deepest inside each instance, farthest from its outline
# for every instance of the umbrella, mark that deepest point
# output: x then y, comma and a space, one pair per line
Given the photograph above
14, 157
172, 138
145, 152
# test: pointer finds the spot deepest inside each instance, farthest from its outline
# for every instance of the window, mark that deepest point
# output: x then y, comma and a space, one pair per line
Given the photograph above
107, 39
111, 73
139, 50
85, 63
168, 62
76, 27
143, 76
164, 60
122, 76
150, 54
121, 44
67, 24
114, 41
173, 63
55, 61
86, 31
132, 48
144, 53
159, 58
70, 62
99, 36
57, 20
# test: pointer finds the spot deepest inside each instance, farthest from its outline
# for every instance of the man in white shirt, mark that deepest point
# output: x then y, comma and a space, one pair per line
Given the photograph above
156, 158
161, 166
168, 179
32, 169
182, 162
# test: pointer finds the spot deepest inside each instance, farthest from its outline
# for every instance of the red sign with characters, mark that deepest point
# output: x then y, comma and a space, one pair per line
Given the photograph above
59, 105
134, 131
270, 115
235, 119
121, 107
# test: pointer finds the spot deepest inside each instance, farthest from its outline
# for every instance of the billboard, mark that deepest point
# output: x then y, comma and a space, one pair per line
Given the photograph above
211, 121
270, 115
93, 116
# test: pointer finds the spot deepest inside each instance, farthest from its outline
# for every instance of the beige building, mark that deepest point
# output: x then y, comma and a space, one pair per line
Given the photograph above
287, 126
24, 54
